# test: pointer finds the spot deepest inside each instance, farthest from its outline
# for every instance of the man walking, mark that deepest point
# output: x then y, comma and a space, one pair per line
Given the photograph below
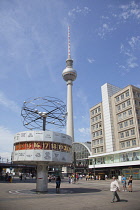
114, 187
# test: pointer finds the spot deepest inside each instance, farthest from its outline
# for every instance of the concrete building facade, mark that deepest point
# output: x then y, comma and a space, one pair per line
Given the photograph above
115, 132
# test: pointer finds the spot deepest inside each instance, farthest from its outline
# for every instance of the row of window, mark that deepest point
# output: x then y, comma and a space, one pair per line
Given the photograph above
98, 141
136, 94
98, 117
124, 105
116, 158
97, 133
137, 102
127, 133
128, 143
122, 96
138, 111
125, 114
126, 123
97, 125
95, 111
98, 150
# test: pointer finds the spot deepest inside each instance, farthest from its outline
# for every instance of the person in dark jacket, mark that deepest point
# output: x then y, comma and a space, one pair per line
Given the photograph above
58, 182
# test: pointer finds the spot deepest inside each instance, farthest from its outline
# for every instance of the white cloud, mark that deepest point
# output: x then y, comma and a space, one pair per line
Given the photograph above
130, 10
128, 51
105, 29
90, 60
9, 103
134, 42
84, 11
6, 143
84, 131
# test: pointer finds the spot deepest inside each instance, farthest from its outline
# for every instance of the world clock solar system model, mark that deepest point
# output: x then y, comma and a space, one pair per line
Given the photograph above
42, 147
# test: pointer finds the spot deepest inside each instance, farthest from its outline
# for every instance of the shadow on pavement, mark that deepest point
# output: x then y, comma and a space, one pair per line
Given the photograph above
53, 191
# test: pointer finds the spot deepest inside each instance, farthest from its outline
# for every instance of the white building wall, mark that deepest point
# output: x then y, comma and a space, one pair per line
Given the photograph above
107, 91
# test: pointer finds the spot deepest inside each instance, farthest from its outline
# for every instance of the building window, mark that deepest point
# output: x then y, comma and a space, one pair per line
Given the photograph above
128, 143
98, 141
94, 150
93, 112
121, 125
125, 123
117, 99
101, 149
133, 142
119, 116
123, 105
98, 149
122, 145
122, 96
127, 133
101, 141
124, 114
122, 135
131, 122
100, 132
137, 111
134, 93
127, 94
132, 132
119, 107
138, 121
94, 142
128, 103
130, 111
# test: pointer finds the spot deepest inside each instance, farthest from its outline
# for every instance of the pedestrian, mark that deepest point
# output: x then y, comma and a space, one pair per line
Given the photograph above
69, 179
114, 187
21, 176
124, 183
58, 182
130, 184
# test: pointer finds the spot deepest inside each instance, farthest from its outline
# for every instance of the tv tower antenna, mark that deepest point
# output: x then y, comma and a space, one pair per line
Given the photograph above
69, 49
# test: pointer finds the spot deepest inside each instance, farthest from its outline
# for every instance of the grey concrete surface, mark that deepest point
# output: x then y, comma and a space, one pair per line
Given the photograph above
84, 195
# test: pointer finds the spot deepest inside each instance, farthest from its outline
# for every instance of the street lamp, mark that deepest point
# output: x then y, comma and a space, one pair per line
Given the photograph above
94, 168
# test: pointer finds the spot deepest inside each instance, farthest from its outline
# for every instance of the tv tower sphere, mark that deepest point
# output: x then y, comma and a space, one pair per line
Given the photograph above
69, 75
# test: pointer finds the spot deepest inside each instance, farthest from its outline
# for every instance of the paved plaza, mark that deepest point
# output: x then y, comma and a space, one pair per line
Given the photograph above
84, 195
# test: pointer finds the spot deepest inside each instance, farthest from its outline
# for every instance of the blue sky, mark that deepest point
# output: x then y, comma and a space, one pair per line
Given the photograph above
105, 47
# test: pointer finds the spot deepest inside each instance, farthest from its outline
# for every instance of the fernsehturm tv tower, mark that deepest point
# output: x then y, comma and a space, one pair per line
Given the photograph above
69, 75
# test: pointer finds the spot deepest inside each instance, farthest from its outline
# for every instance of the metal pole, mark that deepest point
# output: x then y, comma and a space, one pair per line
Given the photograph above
74, 167
94, 169
44, 123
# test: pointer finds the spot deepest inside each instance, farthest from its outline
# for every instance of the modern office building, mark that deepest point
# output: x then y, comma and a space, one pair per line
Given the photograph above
115, 132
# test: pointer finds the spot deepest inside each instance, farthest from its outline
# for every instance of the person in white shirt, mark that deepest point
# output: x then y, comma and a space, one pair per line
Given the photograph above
114, 187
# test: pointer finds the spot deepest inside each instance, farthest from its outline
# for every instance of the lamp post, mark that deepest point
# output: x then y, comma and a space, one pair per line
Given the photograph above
94, 169
74, 156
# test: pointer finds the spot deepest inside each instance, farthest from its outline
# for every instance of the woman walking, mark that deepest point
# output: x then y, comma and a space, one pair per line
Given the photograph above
130, 184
